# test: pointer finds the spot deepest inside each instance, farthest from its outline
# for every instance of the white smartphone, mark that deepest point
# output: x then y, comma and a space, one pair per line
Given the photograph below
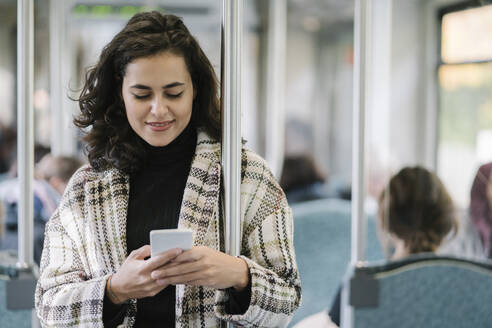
166, 239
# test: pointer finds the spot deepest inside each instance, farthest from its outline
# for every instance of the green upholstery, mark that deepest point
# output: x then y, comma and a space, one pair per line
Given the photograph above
425, 291
10, 318
322, 244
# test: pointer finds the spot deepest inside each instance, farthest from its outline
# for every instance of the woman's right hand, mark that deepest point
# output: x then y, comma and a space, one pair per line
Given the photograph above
133, 279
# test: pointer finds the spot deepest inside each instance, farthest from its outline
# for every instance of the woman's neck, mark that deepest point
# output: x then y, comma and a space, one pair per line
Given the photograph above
401, 250
180, 149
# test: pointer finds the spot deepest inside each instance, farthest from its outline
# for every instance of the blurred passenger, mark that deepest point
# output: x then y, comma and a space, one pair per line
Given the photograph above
415, 215
481, 206
45, 202
57, 170
416, 212
151, 109
302, 180
39, 152
8, 140
2, 220
51, 178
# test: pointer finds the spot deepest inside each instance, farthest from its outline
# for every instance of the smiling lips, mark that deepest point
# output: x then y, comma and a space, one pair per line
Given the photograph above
160, 126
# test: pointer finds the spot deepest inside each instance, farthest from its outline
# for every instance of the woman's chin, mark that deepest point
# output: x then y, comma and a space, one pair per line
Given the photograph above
158, 139
158, 143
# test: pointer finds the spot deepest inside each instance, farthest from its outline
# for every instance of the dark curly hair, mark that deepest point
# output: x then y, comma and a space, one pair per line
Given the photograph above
111, 142
417, 208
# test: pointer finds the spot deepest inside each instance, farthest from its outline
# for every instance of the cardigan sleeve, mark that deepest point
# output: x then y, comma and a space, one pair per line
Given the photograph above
275, 283
70, 292
268, 249
65, 296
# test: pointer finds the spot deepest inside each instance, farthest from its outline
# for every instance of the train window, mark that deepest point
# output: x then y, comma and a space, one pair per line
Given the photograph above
466, 35
465, 98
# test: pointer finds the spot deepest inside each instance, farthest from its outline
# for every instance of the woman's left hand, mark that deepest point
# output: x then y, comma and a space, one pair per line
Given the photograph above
203, 266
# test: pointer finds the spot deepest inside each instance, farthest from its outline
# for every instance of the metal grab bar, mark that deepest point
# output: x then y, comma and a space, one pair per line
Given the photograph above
25, 128
231, 120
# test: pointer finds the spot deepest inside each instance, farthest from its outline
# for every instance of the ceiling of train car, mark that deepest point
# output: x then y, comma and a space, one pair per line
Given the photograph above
204, 14
325, 12
197, 7
311, 14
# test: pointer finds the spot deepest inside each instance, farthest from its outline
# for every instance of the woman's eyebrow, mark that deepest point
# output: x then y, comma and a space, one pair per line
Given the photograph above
172, 85
140, 86
167, 86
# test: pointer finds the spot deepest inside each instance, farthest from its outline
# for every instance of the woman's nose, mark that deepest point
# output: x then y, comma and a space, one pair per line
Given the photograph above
159, 107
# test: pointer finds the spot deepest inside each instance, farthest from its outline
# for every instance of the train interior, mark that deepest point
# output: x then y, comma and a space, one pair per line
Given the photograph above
428, 103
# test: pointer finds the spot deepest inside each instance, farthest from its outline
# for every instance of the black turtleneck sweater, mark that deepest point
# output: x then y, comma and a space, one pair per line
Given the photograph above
156, 194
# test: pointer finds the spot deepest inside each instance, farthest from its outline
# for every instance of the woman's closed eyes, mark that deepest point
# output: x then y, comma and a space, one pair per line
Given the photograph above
169, 95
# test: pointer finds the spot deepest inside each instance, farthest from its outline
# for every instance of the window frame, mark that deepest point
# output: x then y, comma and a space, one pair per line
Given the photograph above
441, 12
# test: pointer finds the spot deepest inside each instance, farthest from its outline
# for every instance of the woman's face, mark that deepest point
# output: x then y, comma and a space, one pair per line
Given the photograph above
158, 95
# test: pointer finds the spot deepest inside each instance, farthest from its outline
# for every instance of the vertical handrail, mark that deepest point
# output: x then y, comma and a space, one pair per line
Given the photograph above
275, 76
56, 31
25, 135
231, 121
63, 135
362, 30
362, 24
431, 36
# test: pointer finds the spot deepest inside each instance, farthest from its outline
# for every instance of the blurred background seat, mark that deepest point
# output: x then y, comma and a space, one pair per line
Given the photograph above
19, 318
423, 291
322, 244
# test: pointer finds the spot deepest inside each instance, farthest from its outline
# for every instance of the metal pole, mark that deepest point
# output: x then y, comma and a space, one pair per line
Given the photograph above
430, 82
56, 104
275, 97
63, 134
362, 27
231, 121
25, 144
362, 24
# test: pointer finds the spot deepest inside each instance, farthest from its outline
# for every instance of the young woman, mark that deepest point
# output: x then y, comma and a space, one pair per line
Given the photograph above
415, 214
151, 106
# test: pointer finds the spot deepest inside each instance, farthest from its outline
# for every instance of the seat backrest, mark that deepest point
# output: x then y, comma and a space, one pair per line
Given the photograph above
8, 317
12, 318
423, 291
322, 245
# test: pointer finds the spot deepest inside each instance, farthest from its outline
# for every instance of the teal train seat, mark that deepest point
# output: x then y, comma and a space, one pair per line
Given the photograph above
322, 245
422, 291
16, 293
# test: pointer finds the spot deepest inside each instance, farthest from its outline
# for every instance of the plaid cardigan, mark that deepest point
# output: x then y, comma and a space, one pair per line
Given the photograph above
85, 242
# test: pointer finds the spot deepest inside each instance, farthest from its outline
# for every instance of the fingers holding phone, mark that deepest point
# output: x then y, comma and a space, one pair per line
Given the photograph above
133, 279
203, 266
